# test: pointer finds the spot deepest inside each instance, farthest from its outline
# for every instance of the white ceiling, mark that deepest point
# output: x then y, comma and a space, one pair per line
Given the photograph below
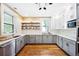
31, 9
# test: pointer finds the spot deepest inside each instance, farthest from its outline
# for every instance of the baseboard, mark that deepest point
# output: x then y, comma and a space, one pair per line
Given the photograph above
41, 43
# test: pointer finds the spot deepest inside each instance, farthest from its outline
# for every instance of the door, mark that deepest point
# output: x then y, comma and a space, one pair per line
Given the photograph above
50, 39
54, 38
47, 39
27, 38
72, 47
60, 42
32, 38
65, 45
72, 51
8, 49
39, 39
17, 45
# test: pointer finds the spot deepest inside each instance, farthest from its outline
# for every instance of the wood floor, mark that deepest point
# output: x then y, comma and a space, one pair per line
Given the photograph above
41, 50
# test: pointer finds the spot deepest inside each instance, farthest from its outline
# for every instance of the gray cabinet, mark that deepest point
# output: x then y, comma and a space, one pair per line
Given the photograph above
72, 50
27, 39
32, 38
57, 40
54, 38
8, 49
39, 39
60, 41
19, 43
47, 39
69, 46
65, 44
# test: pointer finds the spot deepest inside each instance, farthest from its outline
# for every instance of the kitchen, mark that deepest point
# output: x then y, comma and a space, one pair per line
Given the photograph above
35, 24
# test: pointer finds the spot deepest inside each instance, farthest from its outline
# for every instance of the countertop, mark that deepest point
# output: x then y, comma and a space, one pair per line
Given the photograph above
10, 39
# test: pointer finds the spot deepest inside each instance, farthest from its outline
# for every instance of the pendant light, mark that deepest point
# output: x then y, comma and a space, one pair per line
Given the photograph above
43, 8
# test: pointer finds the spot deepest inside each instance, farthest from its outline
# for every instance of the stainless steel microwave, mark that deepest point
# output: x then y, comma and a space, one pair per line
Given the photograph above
71, 23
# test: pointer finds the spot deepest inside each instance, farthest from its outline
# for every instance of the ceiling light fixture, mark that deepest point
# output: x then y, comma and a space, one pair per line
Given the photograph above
45, 5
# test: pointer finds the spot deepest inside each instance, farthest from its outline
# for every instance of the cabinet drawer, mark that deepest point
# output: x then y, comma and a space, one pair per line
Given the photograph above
69, 46
71, 41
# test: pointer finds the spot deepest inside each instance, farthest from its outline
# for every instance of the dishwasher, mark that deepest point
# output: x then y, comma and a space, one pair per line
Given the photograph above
8, 49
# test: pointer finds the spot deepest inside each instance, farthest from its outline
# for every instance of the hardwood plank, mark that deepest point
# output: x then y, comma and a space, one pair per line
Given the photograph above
41, 50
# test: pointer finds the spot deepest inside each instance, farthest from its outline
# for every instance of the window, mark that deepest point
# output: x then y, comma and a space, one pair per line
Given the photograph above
8, 23
45, 25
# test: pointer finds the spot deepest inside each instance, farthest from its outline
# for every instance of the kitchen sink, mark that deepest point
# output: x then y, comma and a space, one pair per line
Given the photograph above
16, 36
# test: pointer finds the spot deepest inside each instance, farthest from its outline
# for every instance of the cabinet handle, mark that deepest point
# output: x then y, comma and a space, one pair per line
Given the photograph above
21, 41
67, 44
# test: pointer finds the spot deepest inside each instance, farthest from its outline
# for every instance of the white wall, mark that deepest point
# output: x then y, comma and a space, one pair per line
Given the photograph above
35, 19
17, 19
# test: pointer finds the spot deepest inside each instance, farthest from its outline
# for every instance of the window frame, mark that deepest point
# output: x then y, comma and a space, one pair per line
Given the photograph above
9, 23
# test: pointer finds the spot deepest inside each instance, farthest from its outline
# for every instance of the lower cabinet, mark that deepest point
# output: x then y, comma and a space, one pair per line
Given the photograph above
27, 39
19, 43
8, 49
60, 41
65, 45
32, 39
47, 39
39, 39
22, 43
69, 46
54, 38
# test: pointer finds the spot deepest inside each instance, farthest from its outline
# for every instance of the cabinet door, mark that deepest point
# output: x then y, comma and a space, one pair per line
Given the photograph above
21, 42
72, 47
65, 45
69, 46
60, 42
54, 39
39, 39
32, 38
57, 40
72, 51
27, 39
8, 49
13, 48
47, 39
50, 39
17, 45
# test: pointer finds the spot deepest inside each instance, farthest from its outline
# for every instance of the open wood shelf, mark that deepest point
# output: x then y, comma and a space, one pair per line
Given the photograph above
31, 25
